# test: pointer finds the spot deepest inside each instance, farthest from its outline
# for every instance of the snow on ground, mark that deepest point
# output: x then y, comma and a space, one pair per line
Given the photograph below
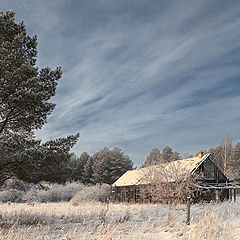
96, 221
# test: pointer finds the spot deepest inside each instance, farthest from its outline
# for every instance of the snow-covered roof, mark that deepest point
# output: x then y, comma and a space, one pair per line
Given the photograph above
167, 172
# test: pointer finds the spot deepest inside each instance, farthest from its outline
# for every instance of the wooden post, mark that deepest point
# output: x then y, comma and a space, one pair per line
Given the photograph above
188, 211
227, 192
230, 191
113, 194
217, 195
234, 194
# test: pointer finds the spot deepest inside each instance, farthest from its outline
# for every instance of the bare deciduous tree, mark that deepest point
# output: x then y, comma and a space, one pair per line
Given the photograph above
222, 153
168, 183
226, 151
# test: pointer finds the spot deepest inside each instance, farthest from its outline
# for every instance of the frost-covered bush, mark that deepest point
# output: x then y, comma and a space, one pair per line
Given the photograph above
47, 192
15, 190
73, 188
31, 195
59, 193
11, 195
97, 193
14, 183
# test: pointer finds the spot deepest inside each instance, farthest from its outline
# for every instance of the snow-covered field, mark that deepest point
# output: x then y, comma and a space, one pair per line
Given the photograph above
89, 221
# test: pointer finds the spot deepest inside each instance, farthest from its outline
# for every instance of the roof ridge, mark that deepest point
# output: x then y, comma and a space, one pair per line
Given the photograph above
135, 176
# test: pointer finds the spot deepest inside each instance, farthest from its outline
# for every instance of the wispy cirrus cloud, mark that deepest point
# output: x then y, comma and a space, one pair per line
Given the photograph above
140, 74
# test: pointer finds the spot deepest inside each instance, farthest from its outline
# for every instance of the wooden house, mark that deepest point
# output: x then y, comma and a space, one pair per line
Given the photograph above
203, 177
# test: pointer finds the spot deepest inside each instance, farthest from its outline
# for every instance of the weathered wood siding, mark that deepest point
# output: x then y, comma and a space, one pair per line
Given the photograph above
206, 173
209, 172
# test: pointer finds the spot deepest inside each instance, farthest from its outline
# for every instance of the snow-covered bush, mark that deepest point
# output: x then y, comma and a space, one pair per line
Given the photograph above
18, 191
14, 183
97, 193
11, 195
31, 195
59, 193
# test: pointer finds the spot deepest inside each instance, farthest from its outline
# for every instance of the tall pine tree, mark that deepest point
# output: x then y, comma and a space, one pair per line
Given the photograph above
25, 93
109, 165
88, 172
168, 155
153, 158
78, 170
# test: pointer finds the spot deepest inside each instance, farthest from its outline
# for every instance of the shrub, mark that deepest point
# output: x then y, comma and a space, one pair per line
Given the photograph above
31, 195
97, 193
11, 195
59, 193
54, 192
14, 183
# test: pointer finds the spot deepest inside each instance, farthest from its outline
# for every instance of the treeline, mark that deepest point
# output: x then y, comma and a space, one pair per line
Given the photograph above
105, 166
226, 156
157, 157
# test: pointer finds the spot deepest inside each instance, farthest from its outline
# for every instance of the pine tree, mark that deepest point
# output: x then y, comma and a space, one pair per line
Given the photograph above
109, 165
24, 90
25, 94
153, 158
88, 172
78, 170
168, 155
101, 167
26, 158
120, 163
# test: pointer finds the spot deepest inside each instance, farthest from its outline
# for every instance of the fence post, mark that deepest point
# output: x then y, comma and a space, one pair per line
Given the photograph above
234, 194
230, 191
217, 195
188, 211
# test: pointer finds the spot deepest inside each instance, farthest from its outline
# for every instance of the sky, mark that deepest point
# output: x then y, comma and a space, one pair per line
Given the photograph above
139, 74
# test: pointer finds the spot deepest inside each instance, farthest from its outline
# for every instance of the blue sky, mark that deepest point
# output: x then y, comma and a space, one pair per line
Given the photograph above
139, 74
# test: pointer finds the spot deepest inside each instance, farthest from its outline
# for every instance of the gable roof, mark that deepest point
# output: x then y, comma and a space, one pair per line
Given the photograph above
167, 172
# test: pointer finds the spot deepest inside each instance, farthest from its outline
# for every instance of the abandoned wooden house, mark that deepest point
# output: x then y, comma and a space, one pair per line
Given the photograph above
198, 177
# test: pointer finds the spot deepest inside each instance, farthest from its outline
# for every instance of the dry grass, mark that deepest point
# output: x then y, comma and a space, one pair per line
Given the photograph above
59, 221
214, 221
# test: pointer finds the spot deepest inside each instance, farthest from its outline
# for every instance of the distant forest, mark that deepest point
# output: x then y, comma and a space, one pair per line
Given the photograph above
106, 165
225, 155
